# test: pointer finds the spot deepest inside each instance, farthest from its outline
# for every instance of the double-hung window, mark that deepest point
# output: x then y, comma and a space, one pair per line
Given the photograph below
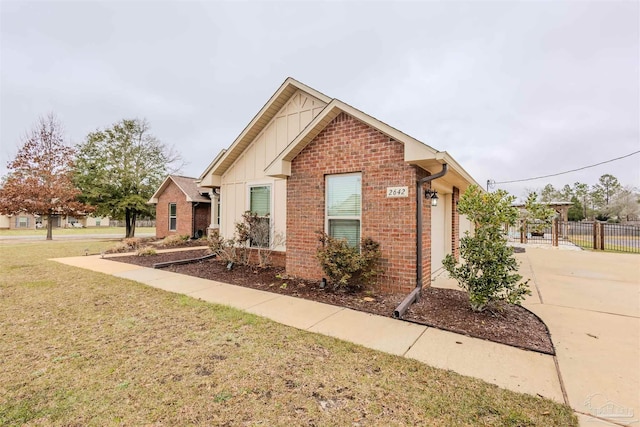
343, 207
260, 204
22, 222
173, 217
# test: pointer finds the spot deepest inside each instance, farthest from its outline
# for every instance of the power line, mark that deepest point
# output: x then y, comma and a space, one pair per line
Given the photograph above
562, 173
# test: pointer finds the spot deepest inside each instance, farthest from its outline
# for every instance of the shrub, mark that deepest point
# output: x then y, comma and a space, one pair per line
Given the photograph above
118, 248
488, 273
222, 248
252, 230
539, 216
146, 251
174, 240
346, 266
126, 245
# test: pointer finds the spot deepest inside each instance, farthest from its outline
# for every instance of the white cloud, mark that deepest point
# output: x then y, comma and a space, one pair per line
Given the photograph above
511, 90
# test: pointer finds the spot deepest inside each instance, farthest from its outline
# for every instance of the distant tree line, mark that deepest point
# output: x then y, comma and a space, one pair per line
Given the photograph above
606, 200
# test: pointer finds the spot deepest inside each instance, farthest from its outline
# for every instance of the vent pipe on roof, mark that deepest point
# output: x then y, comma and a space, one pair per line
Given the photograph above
415, 293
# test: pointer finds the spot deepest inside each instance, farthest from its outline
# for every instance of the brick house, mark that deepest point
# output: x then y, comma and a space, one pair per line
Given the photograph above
181, 208
313, 163
22, 221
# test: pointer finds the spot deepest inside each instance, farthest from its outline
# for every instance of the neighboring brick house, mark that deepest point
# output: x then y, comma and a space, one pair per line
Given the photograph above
20, 221
313, 163
181, 208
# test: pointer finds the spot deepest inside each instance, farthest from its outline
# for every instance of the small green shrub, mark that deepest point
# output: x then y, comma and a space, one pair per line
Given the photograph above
346, 266
146, 251
539, 216
174, 240
489, 271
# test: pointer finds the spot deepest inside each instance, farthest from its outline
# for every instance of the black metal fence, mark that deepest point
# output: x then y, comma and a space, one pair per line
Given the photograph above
587, 235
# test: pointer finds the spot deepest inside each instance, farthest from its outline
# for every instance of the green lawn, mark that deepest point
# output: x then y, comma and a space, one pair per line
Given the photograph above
83, 348
75, 231
623, 244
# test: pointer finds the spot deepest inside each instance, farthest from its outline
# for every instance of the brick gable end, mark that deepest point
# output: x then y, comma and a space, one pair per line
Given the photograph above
348, 145
173, 194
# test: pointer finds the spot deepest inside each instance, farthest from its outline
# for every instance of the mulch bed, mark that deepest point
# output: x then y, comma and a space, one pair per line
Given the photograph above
446, 309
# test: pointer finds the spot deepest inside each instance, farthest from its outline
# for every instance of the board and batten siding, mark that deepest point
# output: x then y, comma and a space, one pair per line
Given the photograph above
249, 168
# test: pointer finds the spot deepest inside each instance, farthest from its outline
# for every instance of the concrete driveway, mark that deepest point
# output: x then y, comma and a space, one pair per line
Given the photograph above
591, 303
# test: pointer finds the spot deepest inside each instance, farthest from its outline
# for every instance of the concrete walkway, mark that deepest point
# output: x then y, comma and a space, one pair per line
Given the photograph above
591, 303
604, 369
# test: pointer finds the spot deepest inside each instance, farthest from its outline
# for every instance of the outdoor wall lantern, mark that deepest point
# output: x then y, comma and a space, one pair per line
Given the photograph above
433, 195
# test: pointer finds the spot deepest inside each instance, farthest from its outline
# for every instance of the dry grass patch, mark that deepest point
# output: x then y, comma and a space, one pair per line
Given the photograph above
82, 348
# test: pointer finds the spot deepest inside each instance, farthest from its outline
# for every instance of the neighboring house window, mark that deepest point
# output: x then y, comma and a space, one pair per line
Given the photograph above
22, 222
260, 204
98, 222
173, 218
343, 195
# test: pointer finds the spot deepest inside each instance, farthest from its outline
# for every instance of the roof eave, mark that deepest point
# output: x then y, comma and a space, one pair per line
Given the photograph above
260, 120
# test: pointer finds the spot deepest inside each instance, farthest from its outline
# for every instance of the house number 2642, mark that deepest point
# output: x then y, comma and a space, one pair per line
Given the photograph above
397, 191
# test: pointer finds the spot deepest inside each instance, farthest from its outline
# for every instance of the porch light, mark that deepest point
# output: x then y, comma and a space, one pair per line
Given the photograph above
433, 195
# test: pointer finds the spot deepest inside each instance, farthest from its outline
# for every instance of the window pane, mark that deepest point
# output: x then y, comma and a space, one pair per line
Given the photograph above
172, 224
260, 200
343, 195
172, 209
348, 229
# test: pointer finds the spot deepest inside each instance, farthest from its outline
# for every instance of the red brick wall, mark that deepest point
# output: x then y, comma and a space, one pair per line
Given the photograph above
426, 231
348, 145
203, 217
172, 194
278, 258
455, 224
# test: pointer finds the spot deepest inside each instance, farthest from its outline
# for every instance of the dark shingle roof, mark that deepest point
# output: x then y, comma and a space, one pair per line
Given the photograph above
189, 188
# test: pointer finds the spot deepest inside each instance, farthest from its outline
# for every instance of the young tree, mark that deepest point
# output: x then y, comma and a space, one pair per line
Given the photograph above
118, 169
581, 192
549, 194
575, 211
39, 181
566, 194
603, 192
538, 215
489, 270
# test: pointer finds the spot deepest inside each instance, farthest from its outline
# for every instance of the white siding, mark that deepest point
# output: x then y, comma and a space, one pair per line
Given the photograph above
249, 167
465, 225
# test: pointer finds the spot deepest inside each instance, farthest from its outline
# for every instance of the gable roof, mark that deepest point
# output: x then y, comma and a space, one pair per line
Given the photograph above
415, 152
257, 124
186, 184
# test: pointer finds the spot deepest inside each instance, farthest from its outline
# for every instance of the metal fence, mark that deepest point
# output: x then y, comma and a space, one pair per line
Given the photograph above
587, 235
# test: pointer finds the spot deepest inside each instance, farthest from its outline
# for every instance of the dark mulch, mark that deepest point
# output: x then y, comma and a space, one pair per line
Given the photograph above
441, 308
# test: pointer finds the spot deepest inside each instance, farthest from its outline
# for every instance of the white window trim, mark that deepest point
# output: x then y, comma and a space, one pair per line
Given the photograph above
272, 223
175, 216
326, 204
